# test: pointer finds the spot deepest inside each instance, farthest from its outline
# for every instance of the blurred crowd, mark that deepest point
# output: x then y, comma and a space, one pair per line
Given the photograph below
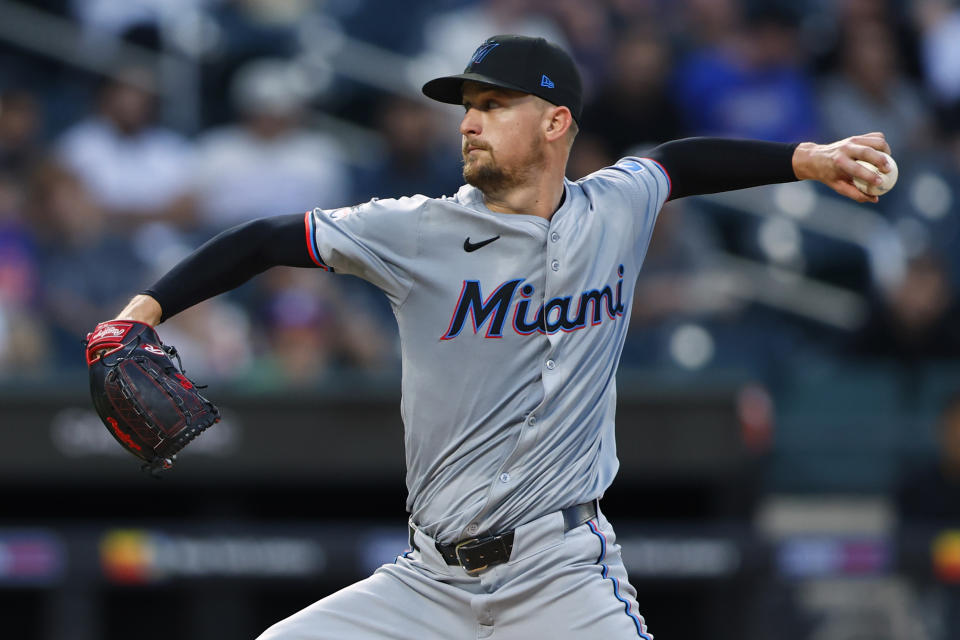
103, 187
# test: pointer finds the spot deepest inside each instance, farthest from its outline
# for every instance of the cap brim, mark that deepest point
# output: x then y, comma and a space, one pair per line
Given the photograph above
449, 89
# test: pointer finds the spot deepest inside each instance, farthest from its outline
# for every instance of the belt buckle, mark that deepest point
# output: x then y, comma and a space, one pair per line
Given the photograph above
456, 550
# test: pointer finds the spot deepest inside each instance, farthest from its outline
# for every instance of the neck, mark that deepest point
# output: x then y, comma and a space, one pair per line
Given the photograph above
541, 198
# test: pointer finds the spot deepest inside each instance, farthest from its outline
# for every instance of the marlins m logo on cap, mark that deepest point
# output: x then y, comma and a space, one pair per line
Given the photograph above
482, 52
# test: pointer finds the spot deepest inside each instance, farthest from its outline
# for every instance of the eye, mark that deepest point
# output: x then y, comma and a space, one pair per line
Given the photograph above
492, 104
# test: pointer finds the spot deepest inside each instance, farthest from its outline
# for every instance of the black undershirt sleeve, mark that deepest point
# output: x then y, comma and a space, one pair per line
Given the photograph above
711, 165
230, 259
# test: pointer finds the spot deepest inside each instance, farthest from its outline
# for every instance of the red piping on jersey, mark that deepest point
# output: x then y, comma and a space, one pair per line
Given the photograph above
669, 180
311, 246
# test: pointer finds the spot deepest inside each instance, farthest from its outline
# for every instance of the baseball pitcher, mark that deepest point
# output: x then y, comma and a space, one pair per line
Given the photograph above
512, 297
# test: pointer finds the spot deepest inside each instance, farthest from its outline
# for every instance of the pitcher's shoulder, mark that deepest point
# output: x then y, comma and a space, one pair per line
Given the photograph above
632, 173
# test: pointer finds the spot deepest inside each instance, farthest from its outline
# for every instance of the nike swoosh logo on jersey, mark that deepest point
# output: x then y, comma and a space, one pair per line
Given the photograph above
468, 246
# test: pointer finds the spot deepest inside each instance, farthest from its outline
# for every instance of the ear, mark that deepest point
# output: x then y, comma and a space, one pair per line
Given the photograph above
557, 121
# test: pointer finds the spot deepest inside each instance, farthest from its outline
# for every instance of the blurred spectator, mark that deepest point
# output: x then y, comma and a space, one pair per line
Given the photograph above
22, 338
627, 14
218, 336
915, 319
140, 21
137, 171
634, 107
274, 12
314, 329
928, 495
892, 14
89, 268
870, 93
267, 164
680, 290
939, 22
18, 280
20, 123
851, 11
589, 34
419, 158
395, 26
747, 83
258, 28
589, 153
931, 492
709, 24
452, 37
245, 30
680, 274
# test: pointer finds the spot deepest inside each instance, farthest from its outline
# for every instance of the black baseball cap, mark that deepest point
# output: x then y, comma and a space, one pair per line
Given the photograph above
521, 63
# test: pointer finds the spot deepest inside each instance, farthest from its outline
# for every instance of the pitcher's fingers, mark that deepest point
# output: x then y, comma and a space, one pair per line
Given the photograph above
853, 169
875, 140
847, 189
871, 155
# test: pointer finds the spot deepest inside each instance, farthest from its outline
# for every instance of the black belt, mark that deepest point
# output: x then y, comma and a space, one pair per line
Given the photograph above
477, 554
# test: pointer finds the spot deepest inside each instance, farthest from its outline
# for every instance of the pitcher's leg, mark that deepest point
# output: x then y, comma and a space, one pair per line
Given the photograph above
577, 590
396, 603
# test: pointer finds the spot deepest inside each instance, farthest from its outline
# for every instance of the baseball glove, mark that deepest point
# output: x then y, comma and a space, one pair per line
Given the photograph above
145, 401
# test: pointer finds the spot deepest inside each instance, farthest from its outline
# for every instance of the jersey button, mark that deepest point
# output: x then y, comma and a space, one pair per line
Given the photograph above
472, 529
554, 236
555, 265
551, 365
504, 477
532, 420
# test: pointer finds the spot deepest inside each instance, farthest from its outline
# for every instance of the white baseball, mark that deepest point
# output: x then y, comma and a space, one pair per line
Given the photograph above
889, 179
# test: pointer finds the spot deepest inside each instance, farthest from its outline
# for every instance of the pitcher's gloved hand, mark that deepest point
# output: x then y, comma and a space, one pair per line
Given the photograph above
143, 398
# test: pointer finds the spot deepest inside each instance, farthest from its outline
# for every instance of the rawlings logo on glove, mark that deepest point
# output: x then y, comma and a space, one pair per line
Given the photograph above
111, 330
143, 398
154, 349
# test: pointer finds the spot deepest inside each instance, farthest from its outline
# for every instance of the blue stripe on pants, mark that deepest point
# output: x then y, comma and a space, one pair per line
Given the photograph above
637, 621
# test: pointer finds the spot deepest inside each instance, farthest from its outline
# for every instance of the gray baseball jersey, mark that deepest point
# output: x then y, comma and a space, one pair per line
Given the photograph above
511, 328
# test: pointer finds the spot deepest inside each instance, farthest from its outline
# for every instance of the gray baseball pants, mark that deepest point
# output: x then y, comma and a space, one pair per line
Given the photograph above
556, 585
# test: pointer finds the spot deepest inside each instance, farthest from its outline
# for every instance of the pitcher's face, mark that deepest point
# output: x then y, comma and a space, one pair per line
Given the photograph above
503, 146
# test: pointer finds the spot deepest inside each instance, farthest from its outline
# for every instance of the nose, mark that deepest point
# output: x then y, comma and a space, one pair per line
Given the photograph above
470, 125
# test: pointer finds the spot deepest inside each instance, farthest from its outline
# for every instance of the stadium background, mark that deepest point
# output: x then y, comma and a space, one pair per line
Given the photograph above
788, 430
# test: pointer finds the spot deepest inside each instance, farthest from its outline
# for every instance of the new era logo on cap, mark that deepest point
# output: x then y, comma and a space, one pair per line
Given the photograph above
546, 82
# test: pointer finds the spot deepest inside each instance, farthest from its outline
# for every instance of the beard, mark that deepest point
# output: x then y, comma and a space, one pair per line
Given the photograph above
491, 177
